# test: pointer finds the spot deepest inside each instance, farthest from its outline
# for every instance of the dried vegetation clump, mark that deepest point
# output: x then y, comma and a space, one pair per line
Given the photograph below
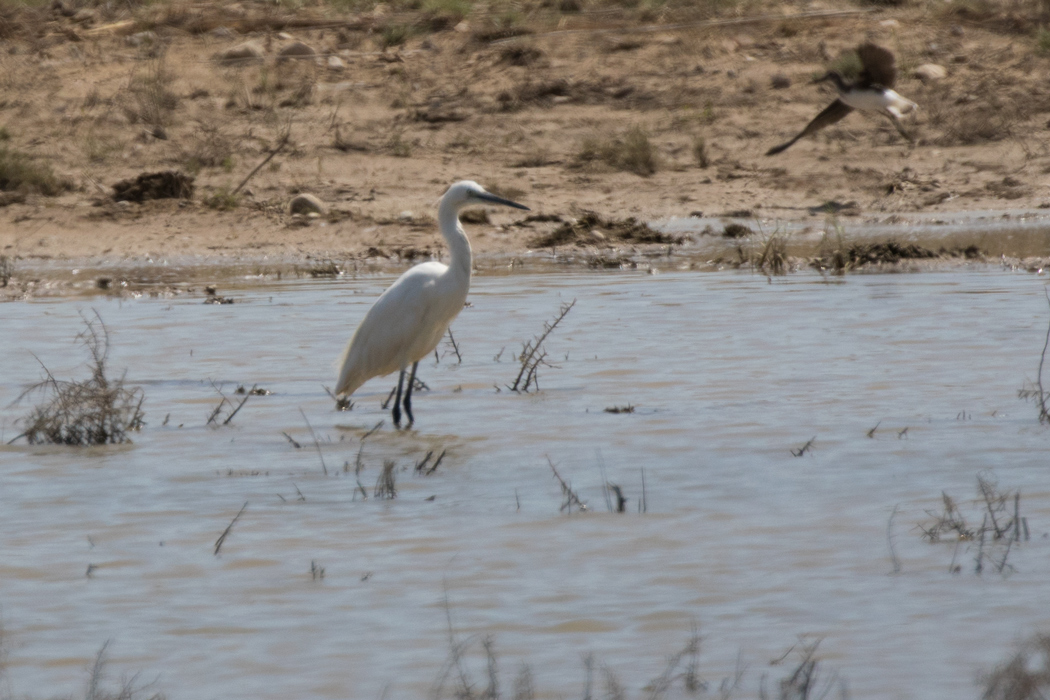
591, 228
94, 411
1001, 526
840, 256
169, 184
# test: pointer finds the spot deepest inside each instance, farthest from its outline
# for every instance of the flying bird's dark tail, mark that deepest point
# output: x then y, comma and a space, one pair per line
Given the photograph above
830, 114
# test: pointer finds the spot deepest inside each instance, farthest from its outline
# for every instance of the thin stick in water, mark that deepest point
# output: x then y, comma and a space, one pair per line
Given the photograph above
222, 537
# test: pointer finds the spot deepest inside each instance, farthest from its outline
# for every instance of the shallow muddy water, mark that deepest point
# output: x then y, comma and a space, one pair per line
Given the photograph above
727, 373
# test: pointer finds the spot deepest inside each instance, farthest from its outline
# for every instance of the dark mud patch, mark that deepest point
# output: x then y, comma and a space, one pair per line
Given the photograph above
591, 229
736, 231
890, 253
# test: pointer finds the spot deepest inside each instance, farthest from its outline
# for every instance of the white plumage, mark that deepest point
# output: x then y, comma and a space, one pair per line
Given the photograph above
410, 318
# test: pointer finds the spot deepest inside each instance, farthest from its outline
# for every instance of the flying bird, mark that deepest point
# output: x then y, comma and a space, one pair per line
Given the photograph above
871, 92
410, 318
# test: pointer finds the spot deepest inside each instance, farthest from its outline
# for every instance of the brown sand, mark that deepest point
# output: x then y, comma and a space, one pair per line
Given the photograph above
380, 140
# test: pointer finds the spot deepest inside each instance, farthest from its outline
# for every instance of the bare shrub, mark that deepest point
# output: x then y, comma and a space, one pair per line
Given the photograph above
95, 411
533, 354
150, 100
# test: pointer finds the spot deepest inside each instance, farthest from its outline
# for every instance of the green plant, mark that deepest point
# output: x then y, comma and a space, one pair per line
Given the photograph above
395, 35
1042, 40
454, 9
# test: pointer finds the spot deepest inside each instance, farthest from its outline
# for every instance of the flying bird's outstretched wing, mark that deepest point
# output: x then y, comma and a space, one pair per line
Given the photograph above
831, 114
879, 66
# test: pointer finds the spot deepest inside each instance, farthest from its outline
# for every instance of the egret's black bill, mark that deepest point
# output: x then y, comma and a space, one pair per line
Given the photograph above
489, 197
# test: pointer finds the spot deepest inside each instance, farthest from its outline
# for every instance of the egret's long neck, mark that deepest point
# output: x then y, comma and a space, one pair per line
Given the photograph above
458, 245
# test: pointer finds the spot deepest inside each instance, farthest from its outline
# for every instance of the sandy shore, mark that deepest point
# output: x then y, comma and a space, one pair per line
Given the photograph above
379, 133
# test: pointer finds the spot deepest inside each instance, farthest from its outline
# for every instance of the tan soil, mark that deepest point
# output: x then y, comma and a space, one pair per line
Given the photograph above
379, 141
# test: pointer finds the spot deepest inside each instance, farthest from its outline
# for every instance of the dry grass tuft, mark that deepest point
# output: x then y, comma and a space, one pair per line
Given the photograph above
633, 152
20, 173
95, 411
386, 488
1024, 676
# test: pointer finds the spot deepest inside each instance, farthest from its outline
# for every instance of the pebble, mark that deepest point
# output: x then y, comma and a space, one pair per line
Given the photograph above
931, 72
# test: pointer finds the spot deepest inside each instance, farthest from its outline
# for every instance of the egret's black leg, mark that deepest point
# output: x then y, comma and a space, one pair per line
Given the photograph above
397, 399
408, 396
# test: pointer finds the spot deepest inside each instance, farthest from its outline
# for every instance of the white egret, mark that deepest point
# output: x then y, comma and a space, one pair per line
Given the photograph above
410, 318
871, 92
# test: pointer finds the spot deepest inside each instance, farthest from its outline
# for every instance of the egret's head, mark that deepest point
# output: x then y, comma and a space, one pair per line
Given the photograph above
467, 193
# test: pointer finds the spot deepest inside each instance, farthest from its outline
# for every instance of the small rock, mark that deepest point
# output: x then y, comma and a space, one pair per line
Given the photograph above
306, 204
463, 27
242, 54
597, 235
405, 217
336, 64
141, 39
298, 50
930, 72
890, 24
285, 36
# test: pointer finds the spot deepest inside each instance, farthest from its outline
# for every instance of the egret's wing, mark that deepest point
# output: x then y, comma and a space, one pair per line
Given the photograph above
879, 66
399, 328
831, 114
